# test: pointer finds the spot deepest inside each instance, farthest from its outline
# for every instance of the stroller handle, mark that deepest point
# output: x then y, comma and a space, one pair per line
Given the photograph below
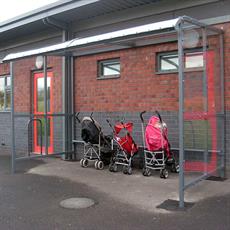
77, 117
107, 120
159, 116
141, 116
91, 116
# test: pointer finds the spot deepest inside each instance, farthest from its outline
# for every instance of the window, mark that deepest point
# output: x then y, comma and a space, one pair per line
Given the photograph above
109, 69
168, 62
5, 88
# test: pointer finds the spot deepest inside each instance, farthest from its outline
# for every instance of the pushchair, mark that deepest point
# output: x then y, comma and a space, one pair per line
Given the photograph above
97, 146
126, 148
157, 152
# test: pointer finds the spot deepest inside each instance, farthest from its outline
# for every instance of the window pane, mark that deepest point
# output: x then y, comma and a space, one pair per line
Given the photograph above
2, 88
8, 99
194, 60
40, 94
169, 62
8, 81
109, 68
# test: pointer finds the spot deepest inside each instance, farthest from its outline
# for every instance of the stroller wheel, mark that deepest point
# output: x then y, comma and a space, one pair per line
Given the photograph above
85, 163
81, 162
96, 164
125, 170
113, 167
100, 165
164, 173
129, 170
175, 168
146, 172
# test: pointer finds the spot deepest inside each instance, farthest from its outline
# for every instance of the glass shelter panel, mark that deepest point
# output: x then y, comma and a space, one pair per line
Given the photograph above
39, 116
203, 104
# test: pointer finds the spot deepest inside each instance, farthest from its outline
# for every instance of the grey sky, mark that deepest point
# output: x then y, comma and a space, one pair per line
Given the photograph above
13, 8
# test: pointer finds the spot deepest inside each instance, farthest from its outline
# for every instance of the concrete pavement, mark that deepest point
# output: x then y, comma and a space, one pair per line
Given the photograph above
30, 199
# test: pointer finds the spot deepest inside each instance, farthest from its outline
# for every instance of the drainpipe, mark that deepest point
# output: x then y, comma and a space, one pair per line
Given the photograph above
67, 94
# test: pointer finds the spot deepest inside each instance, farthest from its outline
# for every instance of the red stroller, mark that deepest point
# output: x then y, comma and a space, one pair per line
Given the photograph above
126, 147
157, 154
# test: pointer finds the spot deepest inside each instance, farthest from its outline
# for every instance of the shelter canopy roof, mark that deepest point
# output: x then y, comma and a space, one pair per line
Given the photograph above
79, 42
107, 38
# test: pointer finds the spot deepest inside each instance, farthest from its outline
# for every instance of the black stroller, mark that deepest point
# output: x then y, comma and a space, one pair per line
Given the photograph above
97, 147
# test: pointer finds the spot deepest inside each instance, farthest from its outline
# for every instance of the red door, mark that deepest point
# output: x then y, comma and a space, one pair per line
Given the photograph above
39, 112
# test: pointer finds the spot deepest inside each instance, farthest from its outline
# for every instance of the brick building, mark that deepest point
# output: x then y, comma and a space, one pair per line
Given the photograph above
113, 83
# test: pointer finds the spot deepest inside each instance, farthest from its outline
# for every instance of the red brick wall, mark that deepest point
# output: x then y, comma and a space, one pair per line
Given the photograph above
22, 85
226, 28
138, 88
23, 72
56, 64
4, 69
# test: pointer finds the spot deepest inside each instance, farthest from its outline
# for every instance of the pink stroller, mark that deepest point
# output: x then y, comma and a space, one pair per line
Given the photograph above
157, 153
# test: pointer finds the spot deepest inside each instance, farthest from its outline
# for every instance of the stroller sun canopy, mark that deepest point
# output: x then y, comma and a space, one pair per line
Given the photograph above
120, 126
156, 135
90, 130
125, 141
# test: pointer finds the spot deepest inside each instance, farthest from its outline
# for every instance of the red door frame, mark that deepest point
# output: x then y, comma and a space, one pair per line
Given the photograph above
37, 148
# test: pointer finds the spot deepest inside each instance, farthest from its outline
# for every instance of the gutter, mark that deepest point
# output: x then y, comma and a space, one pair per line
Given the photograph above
39, 14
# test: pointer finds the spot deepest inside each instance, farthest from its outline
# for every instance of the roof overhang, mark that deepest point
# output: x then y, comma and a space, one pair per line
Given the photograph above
107, 37
112, 38
43, 12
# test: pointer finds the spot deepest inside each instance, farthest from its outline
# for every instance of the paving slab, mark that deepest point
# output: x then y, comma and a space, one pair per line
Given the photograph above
144, 192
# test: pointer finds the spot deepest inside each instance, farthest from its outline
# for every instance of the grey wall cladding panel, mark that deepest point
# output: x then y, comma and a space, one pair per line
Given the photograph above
21, 135
58, 134
5, 135
170, 118
228, 140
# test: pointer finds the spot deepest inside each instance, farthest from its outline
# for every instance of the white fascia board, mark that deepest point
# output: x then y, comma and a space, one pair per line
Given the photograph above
41, 13
93, 39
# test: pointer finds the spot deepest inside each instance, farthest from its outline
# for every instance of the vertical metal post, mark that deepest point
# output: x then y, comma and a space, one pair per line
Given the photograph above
45, 104
181, 114
64, 98
64, 105
205, 96
13, 153
223, 115
71, 111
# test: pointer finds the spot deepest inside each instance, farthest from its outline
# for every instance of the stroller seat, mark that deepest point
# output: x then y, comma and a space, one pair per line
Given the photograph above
157, 153
97, 146
126, 147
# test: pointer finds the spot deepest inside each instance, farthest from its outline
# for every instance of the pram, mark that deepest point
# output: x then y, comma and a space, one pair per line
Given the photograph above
125, 147
97, 147
157, 152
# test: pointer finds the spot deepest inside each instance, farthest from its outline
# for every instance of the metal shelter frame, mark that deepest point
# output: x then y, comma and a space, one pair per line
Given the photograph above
119, 40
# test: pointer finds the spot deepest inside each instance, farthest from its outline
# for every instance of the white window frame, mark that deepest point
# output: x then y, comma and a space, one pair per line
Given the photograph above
6, 88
